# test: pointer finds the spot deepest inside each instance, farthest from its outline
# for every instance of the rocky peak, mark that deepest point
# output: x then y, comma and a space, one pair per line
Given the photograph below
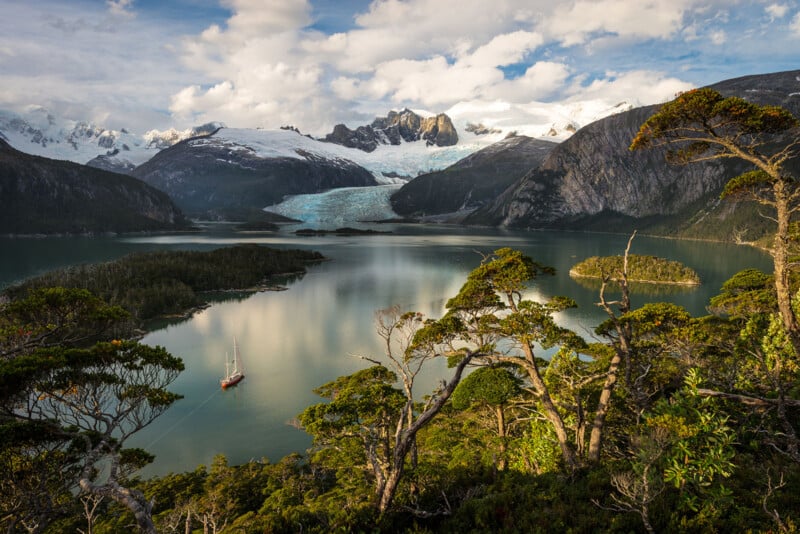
395, 128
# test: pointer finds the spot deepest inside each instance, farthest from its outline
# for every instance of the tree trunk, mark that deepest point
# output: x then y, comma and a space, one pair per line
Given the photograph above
550, 410
780, 258
501, 432
131, 499
406, 438
603, 404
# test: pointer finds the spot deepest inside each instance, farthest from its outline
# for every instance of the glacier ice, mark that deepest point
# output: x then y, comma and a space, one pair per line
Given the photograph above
339, 207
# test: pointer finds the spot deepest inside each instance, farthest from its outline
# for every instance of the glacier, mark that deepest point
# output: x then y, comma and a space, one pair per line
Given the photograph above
333, 209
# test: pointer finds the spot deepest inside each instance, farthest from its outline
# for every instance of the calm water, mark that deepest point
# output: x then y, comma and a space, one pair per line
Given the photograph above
293, 341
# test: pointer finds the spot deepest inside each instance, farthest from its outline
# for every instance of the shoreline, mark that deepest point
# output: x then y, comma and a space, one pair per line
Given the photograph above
574, 274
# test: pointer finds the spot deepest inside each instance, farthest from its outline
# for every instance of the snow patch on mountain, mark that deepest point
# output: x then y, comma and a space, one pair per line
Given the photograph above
37, 131
389, 164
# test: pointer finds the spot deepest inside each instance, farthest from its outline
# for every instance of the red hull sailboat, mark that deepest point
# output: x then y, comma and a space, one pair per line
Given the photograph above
235, 374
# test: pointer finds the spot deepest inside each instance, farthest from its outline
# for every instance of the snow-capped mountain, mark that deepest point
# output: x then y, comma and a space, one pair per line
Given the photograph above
235, 171
37, 131
388, 163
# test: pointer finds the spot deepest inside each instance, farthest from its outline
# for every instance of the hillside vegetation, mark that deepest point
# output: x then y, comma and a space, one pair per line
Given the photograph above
150, 284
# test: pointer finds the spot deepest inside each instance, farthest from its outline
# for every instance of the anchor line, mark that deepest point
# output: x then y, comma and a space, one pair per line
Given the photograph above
182, 419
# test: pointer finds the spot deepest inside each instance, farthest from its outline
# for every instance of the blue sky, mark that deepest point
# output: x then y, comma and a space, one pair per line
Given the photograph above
145, 64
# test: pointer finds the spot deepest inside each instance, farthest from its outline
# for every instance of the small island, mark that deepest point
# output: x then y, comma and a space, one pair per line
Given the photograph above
641, 269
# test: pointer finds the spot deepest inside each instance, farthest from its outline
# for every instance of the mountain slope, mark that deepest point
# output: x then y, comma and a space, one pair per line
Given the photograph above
40, 195
233, 171
473, 181
592, 180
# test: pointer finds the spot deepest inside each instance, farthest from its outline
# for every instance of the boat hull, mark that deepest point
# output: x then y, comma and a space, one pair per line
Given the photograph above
231, 380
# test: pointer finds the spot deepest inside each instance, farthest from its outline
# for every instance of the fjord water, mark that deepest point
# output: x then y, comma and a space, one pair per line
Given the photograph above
295, 340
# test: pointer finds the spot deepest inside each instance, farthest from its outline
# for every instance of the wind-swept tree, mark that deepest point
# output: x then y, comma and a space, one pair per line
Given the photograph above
68, 404
365, 407
702, 125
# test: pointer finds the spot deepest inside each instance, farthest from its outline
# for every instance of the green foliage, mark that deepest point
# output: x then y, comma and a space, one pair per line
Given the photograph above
640, 269
51, 316
746, 184
748, 292
363, 406
693, 114
700, 449
536, 451
487, 385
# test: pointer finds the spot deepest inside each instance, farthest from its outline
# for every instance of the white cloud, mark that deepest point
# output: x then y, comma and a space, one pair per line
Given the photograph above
120, 8
776, 11
639, 87
266, 63
257, 17
573, 22
718, 37
504, 49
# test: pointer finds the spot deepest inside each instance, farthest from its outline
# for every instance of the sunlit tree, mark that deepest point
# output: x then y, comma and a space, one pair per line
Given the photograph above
702, 125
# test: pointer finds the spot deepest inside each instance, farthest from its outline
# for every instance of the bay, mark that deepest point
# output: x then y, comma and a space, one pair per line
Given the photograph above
293, 341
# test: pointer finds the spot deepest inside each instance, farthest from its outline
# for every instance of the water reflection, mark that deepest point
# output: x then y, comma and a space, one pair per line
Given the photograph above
650, 290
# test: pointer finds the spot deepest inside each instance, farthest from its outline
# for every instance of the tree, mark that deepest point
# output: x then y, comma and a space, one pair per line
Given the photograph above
490, 388
703, 125
365, 407
86, 403
490, 311
53, 316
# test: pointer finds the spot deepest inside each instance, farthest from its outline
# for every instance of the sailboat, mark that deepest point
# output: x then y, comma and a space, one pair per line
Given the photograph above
236, 374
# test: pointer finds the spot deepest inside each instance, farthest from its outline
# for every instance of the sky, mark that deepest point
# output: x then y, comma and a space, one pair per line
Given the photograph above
143, 64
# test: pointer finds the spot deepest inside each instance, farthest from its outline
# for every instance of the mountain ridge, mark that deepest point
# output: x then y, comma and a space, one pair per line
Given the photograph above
46, 196
592, 178
472, 181
396, 127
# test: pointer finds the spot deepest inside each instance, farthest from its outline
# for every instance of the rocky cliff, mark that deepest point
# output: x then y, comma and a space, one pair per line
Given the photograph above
235, 171
472, 182
592, 180
40, 195
394, 128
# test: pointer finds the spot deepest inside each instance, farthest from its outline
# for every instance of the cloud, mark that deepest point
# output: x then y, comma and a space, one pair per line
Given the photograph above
258, 17
120, 8
637, 87
776, 11
718, 37
270, 62
574, 22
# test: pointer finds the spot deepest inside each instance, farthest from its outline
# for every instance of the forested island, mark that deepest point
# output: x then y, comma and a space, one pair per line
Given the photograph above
152, 284
642, 269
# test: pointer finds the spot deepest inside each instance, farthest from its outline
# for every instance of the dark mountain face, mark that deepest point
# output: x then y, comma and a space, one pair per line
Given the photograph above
592, 180
396, 127
219, 179
40, 195
472, 182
